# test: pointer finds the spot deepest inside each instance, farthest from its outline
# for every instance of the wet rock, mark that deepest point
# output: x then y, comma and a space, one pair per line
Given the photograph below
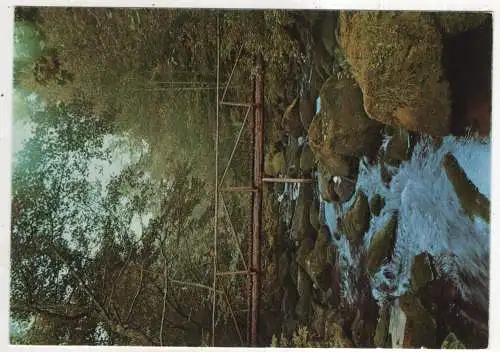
398, 147
456, 22
396, 59
307, 108
421, 271
291, 120
301, 227
473, 202
307, 162
376, 204
420, 329
382, 245
382, 337
451, 342
342, 125
356, 221
345, 188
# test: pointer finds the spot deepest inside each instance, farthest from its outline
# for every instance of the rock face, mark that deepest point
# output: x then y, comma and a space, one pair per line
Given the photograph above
357, 219
382, 244
382, 337
345, 188
396, 59
307, 107
342, 125
274, 163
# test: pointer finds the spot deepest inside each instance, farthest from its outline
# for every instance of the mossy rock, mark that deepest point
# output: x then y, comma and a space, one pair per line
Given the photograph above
314, 216
307, 162
396, 59
292, 152
290, 297
377, 203
456, 22
382, 336
291, 120
356, 221
324, 183
301, 227
307, 107
421, 271
342, 125
473, 202
382, 244
398, 147
363, 331
420, 328
451, 342
274, 164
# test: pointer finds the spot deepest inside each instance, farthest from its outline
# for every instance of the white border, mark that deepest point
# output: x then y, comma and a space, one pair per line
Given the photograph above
6, 23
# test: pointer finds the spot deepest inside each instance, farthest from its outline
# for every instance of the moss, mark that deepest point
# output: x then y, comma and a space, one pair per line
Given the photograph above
473, 202
357, 219
376, 204
456, 22
452, 342
421, 271
396, 59
382, 244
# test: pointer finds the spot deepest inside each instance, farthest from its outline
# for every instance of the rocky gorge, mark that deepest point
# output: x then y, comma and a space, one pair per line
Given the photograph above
391, 114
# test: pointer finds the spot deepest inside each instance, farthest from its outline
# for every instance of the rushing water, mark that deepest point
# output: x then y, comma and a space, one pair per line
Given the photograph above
430, 219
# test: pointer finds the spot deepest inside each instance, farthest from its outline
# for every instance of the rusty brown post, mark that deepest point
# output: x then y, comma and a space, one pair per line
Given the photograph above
287, 180
257, 197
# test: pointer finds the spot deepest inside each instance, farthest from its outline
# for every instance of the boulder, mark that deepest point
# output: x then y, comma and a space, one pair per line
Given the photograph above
307, 162
342, 125
420, 328
356, 220
365, 323
396, 59
376, 204
382, 245
421, 271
